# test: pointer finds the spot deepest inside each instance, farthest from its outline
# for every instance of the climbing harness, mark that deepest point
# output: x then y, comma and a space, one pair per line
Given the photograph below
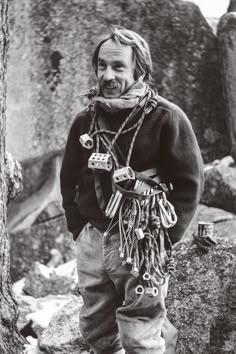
138, 204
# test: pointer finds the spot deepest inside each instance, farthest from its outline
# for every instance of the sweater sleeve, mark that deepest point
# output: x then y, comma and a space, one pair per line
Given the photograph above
69, 178
184, 169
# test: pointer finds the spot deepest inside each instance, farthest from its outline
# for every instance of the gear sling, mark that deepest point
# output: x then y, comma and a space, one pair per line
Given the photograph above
139, 200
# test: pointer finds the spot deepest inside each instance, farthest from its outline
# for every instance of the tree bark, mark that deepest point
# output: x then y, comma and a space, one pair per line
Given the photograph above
11, 341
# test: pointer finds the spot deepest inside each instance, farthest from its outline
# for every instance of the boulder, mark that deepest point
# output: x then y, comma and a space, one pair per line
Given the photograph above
42, 280
201, 301
51, 304
63, 335
224, 223
47, 94
226, 33
35, 244
220, 185
35, 314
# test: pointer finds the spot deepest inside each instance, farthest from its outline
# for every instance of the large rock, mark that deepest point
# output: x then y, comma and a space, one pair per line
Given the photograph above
227, 52
63, 334
48, 37
36, 314
35, 244
220, 185
42, 280
51, 304
202, 302
224, 223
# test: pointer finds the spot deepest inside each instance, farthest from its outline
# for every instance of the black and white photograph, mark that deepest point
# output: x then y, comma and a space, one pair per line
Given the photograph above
118, 177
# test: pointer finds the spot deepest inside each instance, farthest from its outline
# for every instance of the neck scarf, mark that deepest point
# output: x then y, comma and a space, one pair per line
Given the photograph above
128, 100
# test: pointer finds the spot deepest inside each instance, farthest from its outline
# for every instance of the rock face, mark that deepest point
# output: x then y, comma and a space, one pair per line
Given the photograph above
224, 223
227, 51
201, 301
35, 243
51, 47
220, 185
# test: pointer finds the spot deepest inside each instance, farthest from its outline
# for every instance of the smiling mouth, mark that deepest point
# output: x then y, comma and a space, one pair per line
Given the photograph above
110, 87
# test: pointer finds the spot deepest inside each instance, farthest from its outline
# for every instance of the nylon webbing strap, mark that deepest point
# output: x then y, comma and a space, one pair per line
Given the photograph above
135, 195
143, 176
151, 176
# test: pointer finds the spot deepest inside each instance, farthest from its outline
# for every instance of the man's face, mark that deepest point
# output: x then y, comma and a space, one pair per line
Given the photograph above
115, 70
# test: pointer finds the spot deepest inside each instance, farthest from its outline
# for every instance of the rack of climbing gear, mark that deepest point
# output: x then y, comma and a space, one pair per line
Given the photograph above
139, 203
144, 220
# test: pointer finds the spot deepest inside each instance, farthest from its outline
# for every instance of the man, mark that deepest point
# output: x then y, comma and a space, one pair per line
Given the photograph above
135, 164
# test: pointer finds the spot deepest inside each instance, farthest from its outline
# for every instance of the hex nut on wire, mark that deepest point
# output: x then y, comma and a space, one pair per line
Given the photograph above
99, 161
146, 276
139, 290
123, 174
86, 141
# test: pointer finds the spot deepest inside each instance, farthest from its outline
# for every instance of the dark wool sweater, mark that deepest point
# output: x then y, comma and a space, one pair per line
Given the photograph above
166, 140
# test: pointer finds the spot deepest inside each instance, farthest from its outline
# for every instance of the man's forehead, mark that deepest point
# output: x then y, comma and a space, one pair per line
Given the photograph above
115, 49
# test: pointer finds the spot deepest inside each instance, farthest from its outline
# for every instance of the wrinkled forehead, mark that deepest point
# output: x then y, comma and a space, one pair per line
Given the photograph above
112, 50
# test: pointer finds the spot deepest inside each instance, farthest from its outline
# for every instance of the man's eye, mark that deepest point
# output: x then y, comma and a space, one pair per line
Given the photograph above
101, 66
119, 67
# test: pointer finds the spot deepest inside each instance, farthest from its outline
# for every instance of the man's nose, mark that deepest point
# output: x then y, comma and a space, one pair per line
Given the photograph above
108, 74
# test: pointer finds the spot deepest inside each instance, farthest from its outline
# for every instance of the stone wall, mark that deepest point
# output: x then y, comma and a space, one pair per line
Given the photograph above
49, 67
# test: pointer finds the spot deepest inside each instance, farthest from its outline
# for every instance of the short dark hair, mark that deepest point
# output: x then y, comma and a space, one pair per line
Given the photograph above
141, 51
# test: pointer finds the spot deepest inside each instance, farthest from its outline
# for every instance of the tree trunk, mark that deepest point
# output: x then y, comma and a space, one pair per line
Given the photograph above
11, 341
